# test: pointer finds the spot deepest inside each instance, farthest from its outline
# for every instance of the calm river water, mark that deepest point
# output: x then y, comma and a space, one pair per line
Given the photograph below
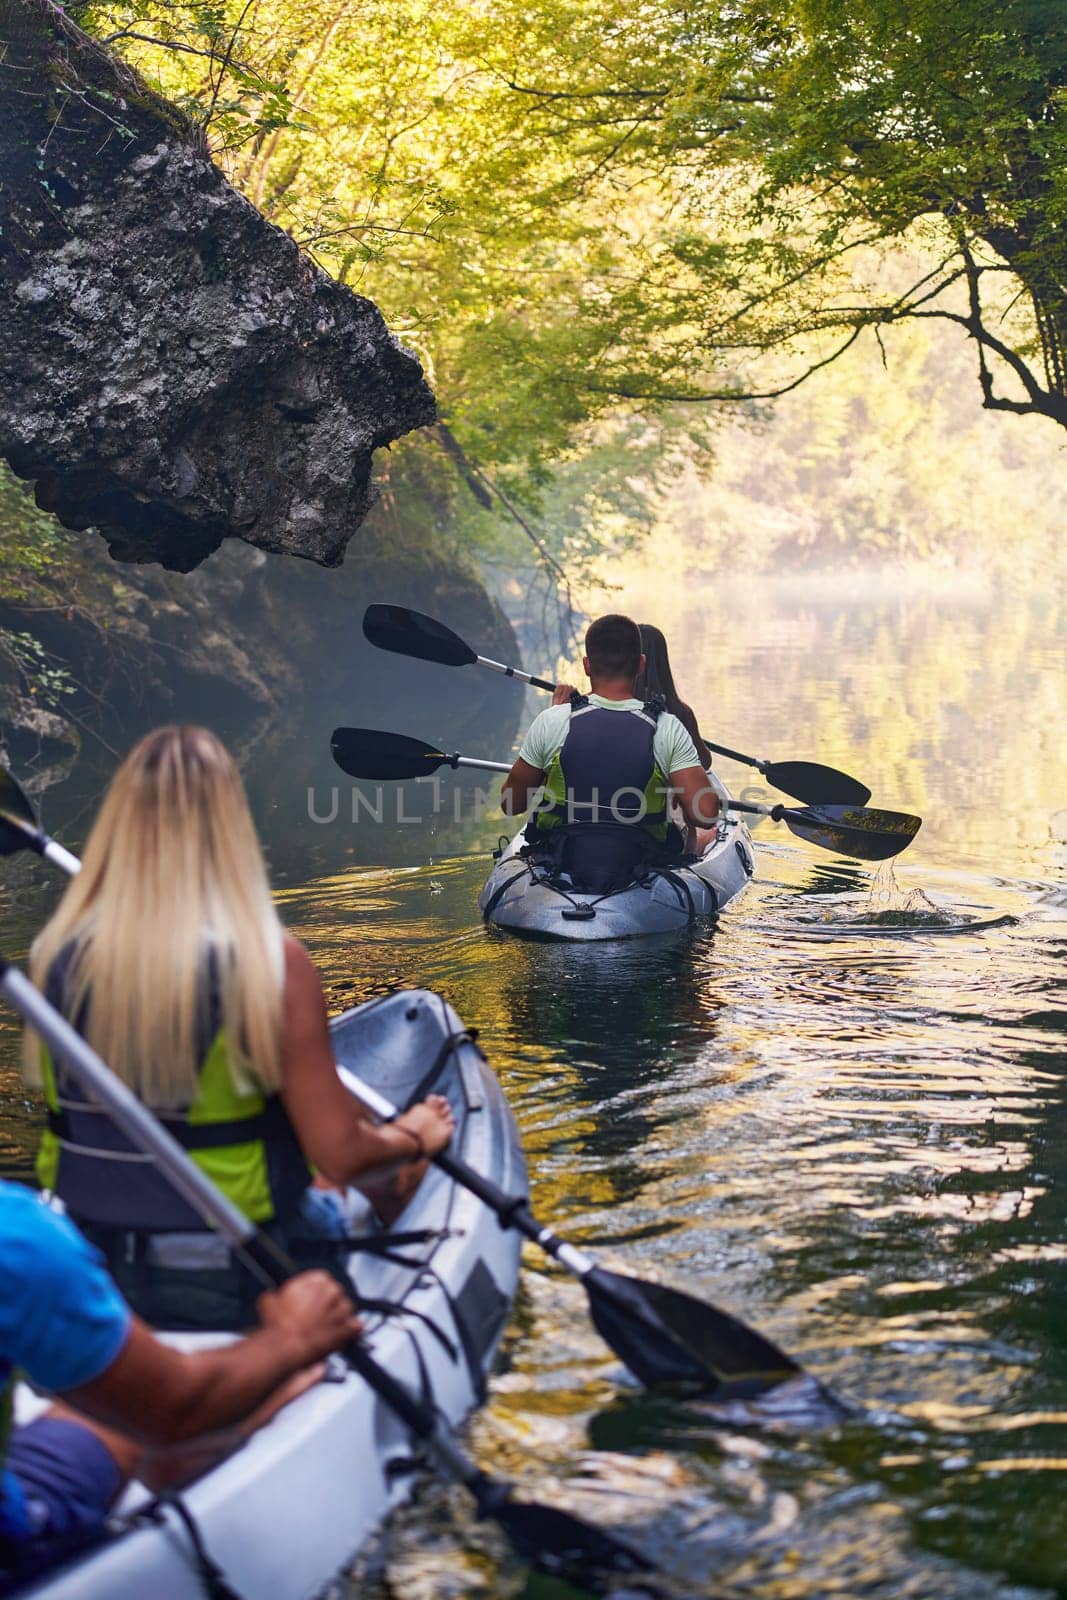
841, 1115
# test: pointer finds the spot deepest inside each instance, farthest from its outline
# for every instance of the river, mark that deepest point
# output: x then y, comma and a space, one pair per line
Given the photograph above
839, 1114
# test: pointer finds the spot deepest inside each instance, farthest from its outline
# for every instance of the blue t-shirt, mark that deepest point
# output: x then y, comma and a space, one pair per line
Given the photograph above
62, 1320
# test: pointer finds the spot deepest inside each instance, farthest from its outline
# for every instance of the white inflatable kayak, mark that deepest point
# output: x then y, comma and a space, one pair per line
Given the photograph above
524, 897
285, 1514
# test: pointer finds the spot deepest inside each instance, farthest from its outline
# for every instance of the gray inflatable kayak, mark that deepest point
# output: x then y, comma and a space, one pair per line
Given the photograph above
523, 897
285, 1514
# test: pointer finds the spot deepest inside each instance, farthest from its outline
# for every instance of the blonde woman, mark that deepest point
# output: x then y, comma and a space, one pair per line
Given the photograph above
167, 953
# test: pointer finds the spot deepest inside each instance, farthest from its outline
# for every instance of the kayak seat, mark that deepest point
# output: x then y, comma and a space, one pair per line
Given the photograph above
597, 858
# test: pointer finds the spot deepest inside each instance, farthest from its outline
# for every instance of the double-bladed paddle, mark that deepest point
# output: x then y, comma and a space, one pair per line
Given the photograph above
661, 1334
554, 1541
865, 832
412, 633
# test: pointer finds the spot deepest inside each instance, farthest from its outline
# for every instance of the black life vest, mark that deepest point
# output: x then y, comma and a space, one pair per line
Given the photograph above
605, 805
243, 1141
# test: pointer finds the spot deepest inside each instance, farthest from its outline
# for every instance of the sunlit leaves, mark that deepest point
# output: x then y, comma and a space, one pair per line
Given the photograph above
580, 211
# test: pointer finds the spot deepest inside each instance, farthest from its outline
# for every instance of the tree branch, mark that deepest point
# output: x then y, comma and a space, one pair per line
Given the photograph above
726, 396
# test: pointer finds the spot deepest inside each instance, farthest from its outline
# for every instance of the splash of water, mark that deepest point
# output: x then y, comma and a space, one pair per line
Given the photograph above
890, 905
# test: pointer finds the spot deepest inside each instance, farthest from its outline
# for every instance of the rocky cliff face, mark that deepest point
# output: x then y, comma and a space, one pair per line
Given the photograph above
174, 373
267, 650
173, 370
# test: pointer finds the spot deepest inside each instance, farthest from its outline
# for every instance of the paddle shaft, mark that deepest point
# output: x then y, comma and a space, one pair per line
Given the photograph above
54, 852
50, 849
512, 1210
269, 1264
735, 755
544, 683
473, 761
649, 1328
750, 806
514, 672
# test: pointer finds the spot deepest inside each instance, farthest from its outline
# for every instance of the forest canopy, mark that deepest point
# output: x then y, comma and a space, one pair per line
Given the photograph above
603, 227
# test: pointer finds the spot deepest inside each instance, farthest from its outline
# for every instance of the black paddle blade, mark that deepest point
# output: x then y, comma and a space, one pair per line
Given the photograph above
389, 757
866, 834
665, 1336
412, 633
18, 824
561, 1545
815, 785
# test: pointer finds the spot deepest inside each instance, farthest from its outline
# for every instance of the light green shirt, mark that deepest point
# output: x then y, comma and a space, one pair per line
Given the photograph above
672, 748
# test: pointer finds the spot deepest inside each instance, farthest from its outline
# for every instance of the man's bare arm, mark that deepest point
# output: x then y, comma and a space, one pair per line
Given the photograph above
697, 798
519, 786
163, 1396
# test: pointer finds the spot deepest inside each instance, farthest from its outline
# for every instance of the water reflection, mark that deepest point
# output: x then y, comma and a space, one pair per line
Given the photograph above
849, 1142
848, 1131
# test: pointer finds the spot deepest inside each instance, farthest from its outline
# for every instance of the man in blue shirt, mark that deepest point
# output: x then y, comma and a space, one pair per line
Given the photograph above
64, 1325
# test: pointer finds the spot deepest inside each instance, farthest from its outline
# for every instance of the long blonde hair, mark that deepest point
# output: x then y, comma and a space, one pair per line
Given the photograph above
173, 880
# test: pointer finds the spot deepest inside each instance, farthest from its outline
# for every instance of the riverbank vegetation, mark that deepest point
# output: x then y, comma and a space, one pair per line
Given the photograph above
771, 273
604, 229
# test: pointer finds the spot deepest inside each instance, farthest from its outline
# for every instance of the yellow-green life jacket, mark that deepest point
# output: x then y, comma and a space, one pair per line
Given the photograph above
243, 1142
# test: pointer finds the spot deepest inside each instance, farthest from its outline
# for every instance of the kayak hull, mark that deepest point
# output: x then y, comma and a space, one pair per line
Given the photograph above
287, 1512
517, 898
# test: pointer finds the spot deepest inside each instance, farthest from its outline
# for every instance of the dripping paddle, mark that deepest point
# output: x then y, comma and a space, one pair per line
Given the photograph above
864, 832
553, 1541
661, 1334
412, 633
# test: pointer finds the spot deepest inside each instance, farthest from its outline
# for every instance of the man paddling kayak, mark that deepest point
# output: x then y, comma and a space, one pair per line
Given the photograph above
609, 763
167, 954
124, 1393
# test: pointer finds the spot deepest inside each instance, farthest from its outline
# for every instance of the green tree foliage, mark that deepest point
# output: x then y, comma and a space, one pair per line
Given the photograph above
580, 214
783, 138
396, 171
29, 541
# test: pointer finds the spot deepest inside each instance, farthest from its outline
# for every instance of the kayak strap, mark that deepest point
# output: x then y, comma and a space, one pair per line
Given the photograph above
440, 1061
387, 1245
548, 874
397, 1467
213, 1580
470, 1343
396, 1308
681, 888
328, 1251
502, 888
